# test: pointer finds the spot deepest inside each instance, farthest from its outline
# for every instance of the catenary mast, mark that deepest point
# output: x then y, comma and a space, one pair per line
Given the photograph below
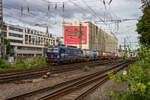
1, 27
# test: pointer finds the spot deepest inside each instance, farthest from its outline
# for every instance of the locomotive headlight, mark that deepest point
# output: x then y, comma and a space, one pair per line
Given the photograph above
58, 56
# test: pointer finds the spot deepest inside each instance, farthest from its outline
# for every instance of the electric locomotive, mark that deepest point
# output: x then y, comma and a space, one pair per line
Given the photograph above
62, 54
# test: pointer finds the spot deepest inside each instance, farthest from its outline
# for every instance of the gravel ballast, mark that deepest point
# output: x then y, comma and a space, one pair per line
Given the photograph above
14, 89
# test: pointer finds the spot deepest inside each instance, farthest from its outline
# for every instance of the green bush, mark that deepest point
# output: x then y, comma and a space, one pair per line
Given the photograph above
124, 58
137, 79
21, 64
86, 68
4, 66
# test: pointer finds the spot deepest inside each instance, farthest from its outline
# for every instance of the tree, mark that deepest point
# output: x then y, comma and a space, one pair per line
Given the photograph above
143, 27
145, 3
46, 44
8, 47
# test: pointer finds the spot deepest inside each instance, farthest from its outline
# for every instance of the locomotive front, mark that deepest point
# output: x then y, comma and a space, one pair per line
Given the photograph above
52, 54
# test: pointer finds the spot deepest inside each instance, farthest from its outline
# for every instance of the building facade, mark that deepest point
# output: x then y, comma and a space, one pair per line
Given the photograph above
26, 41
85, 35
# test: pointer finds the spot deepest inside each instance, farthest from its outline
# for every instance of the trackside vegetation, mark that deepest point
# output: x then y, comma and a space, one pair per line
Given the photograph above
40, 61
143, 25
86, 68
137, 77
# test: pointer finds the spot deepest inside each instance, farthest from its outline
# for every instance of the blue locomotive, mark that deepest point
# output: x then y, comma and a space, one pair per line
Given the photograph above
62, 54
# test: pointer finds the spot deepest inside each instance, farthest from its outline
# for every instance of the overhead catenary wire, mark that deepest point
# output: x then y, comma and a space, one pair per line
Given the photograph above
28, 8
25, 13
90, 10
83, 9
93, 12
30, 14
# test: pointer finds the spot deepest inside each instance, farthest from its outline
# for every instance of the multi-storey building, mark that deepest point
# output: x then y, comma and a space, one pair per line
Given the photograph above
28, 42
86, 35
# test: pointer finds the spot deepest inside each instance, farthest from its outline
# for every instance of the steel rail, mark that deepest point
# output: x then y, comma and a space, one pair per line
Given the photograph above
73, 87
57, 87
39, 72
100, 83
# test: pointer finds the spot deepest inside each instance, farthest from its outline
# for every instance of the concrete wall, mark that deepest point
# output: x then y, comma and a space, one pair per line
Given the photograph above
97, 39
31, 39
77, 23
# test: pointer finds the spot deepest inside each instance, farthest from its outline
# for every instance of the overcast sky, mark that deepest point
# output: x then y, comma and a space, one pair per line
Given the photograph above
90, 10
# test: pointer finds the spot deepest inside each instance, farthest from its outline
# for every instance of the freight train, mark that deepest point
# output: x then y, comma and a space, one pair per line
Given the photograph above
95, 43
63, 54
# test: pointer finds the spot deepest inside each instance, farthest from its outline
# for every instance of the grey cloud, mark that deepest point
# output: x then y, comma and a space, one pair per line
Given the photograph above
39, 13
69, 12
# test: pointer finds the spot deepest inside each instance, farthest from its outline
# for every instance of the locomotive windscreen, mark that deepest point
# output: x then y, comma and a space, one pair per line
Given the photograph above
52, 50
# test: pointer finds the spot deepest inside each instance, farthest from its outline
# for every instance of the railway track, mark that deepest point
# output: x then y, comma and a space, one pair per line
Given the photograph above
74, 89
14, 75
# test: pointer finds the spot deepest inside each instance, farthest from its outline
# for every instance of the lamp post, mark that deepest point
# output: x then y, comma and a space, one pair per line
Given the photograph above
2, 46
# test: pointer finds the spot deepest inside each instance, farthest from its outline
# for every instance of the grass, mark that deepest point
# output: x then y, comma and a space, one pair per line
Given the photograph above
40, 62
86, 68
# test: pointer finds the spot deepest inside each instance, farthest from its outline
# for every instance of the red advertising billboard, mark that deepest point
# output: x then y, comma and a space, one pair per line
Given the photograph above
73, 35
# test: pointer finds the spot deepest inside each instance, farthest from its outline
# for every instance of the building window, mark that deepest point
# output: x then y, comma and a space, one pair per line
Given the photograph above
5, 34
28, 48
15, 29
19, 54
25, 30
38, 54
16, 35
31, 31
26, 37
28, 54
16, 41
5, 27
